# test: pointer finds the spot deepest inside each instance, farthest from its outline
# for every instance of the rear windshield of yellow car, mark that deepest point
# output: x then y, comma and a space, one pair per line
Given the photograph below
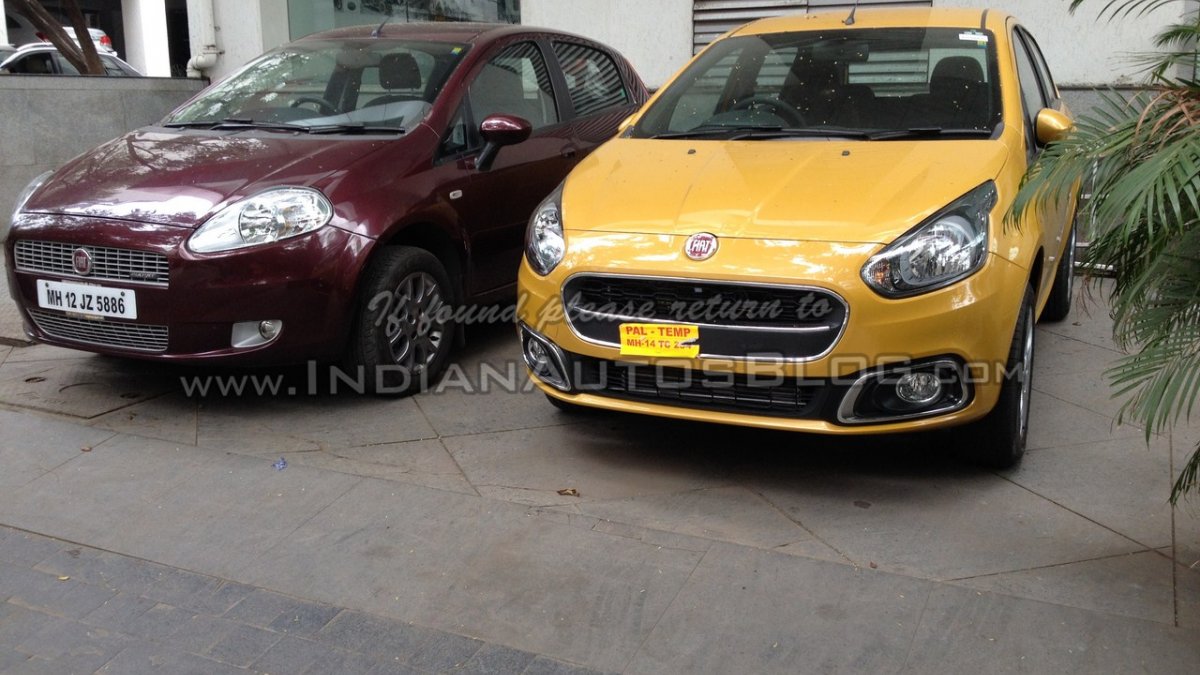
885, 79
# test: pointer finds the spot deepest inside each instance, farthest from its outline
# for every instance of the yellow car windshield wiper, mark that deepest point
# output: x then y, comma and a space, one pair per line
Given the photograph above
928, 132
717, 130
805, 132
763, 132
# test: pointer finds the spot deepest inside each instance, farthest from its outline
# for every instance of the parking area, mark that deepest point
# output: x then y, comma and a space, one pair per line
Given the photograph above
471, 525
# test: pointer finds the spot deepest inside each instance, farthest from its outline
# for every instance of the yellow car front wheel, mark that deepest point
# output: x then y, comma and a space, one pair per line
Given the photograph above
998, 441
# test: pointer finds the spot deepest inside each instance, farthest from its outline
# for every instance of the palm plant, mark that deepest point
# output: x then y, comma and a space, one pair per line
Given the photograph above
1143, 154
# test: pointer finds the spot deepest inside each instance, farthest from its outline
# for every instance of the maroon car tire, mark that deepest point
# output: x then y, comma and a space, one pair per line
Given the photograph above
403, 332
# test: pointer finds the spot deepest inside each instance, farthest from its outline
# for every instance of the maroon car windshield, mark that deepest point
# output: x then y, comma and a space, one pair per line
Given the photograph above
330, 85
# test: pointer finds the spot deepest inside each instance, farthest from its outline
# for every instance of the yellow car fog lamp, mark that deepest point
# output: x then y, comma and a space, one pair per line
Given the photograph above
919, 388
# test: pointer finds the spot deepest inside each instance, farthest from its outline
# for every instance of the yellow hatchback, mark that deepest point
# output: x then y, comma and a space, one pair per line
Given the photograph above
805, 230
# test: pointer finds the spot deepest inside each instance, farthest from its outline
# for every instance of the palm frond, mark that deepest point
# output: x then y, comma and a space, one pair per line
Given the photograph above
1141, 154
1189, 478
1123, 9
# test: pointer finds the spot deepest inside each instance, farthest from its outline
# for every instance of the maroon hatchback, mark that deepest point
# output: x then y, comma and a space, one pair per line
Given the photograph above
332, 199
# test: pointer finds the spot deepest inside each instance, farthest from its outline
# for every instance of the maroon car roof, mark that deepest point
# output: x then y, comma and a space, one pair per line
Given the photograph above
433, 31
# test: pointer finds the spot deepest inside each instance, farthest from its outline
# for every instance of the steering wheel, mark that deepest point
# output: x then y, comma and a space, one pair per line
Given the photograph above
324, 107
778, 108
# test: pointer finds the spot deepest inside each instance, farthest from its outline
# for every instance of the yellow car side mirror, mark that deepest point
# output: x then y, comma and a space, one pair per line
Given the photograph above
1052, 126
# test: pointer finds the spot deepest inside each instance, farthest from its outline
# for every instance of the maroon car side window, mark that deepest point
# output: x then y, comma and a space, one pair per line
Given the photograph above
515, 82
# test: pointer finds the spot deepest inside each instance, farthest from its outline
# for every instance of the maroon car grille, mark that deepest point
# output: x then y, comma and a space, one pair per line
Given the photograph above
133, 336
114, 264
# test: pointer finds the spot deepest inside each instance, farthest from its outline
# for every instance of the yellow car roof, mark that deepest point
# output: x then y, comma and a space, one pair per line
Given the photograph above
866, 18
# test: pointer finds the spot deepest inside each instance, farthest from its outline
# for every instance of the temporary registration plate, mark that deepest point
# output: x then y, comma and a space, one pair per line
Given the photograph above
87, 300
660, 339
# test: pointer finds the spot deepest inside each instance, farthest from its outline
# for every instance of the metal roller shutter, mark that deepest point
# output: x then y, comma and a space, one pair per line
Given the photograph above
713, 18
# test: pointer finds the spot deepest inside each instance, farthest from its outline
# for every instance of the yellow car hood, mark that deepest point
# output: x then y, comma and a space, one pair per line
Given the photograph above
811, 190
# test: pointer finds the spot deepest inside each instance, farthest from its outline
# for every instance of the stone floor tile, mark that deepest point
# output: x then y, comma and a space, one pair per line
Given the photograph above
751, 611
242, 645
302, 618
450, 562
445, 652
290, 655
496, 660
160, 622
25, 549
928, 522
731, 514
972, 631
1138, 585
601, 461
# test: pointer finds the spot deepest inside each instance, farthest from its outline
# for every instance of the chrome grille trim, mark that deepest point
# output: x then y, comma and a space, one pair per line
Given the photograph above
108, 264
132, 336
828, 335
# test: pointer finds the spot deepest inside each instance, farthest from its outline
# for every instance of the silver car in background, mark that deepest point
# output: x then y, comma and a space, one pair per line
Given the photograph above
22, 32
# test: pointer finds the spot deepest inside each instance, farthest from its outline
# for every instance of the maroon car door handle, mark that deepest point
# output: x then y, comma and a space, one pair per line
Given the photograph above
570, 151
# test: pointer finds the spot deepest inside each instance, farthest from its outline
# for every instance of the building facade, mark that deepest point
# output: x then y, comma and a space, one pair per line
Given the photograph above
215, 37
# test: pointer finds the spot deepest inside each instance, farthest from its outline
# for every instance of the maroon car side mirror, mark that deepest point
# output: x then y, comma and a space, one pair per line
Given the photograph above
498, 131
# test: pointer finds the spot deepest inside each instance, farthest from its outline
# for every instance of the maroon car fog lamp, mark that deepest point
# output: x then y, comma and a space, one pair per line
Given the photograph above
247, 334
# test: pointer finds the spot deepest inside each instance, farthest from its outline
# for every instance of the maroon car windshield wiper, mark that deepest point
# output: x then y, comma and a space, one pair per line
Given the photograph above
233, 123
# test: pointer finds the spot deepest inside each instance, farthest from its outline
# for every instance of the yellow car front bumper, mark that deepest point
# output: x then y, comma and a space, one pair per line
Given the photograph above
968, 324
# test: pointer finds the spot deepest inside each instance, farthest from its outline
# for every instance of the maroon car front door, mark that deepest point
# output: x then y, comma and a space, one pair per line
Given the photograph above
495, 205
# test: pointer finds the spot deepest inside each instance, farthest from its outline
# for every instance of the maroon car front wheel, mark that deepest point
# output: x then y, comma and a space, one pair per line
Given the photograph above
404, 329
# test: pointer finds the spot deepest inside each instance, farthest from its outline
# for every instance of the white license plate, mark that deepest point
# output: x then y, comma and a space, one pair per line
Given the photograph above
120, 303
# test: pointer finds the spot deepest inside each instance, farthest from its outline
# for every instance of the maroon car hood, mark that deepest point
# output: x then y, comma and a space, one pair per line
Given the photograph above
159, 176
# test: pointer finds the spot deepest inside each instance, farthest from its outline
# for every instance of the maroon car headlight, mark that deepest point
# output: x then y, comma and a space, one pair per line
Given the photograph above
265, 218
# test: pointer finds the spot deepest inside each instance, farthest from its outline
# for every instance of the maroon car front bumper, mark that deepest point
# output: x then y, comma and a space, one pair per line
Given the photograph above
187, 304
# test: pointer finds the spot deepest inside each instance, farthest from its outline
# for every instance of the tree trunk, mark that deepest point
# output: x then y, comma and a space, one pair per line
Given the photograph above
76, 54
86, 44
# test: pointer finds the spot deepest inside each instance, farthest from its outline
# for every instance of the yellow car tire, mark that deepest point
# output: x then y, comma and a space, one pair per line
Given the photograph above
1059, 304
998, 440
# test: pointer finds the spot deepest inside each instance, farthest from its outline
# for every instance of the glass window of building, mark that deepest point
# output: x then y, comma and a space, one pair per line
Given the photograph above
310, 16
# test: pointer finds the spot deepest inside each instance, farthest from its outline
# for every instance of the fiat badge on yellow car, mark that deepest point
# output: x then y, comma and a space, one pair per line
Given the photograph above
701, 246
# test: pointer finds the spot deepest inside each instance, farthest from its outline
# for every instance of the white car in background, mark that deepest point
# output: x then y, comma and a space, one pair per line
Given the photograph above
22, 32
42, 58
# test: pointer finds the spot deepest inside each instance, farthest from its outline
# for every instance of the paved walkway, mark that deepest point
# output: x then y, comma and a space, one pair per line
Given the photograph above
11, 331
75, 609
683, 548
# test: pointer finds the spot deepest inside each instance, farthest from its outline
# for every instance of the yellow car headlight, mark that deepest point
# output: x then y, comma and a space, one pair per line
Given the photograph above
545, 242
945, 249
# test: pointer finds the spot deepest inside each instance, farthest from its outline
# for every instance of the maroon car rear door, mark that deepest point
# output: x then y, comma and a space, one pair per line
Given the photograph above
599, 93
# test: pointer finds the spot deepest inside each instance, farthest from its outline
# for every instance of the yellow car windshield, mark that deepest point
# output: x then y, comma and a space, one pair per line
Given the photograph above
874, 83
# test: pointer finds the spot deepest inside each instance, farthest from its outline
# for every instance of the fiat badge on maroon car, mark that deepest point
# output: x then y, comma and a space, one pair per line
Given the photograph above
81, 260
701, 246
